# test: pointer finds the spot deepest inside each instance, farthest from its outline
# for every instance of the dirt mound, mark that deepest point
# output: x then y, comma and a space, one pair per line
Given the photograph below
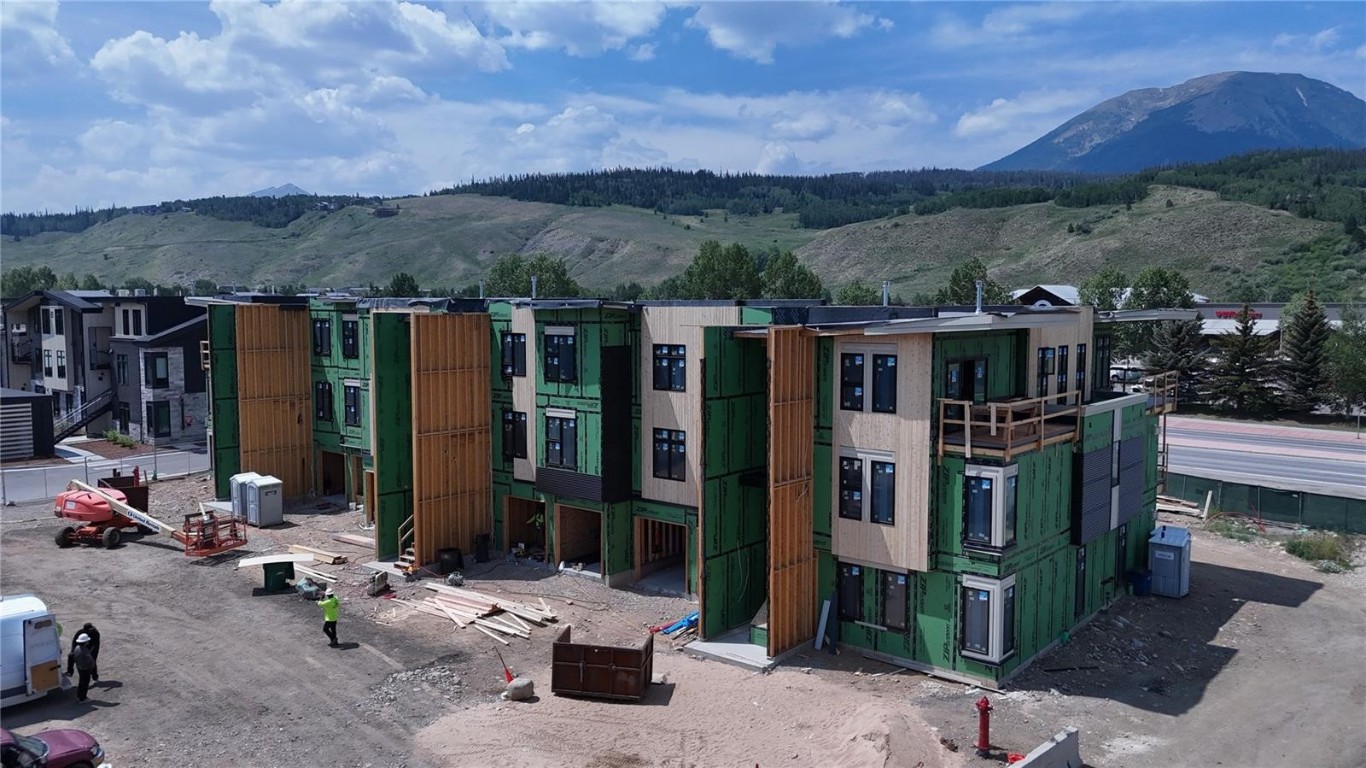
880, 735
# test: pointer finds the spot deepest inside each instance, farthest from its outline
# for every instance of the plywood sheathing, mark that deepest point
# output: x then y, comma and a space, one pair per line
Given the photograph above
791, 425
452, 439
275, 395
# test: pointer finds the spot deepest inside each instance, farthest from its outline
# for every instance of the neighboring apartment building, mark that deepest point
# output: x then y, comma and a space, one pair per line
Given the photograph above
962, 487
127, 361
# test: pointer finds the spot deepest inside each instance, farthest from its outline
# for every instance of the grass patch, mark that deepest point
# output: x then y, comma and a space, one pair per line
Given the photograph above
1329, 551
1231, 528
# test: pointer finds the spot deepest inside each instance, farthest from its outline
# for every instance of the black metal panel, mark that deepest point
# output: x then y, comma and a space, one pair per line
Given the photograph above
617, 439
570, 484
1131, 478
1091, 503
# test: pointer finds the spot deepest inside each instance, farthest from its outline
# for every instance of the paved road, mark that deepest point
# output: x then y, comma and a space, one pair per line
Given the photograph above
31, 483
1243, 452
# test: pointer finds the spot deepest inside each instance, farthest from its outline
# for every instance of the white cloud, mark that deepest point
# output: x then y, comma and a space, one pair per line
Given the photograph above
580, 29
1024, 113
642, 52
752, 30
1318, 41
28, 35
1017, 24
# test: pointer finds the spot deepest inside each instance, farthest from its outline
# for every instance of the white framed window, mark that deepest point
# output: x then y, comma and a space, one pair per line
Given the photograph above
988, 618
868, 370
867, 485
989, 503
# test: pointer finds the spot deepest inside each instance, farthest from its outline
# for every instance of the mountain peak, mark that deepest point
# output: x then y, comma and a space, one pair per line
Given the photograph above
1201, 120
284, 190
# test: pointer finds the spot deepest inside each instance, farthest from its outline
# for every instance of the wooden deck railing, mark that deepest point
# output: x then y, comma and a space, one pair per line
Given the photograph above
1162, 390
1009, 426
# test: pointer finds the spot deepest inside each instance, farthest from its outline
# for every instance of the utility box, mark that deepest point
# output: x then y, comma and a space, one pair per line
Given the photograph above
265, 501
1169, 560
238, 496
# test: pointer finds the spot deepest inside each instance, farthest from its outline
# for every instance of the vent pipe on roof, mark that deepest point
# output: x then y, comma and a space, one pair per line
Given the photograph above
979, 297
481, 289
886, 292
534, 281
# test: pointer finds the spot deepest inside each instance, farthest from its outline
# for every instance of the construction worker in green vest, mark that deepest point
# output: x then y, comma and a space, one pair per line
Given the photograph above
331, 607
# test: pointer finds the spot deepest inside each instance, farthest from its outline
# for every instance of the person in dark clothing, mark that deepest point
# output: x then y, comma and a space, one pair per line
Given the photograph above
84, 662
94, 635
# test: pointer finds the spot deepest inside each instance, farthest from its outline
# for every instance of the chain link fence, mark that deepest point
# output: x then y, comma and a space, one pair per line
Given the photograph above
1291, 506
20, 485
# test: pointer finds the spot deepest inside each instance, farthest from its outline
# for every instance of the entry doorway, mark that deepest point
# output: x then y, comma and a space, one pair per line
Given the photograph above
354, 483
524, 527
332, 475
578, 540
661, 557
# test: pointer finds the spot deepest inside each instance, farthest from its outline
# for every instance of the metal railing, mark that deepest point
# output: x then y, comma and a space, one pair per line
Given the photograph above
67, 424
405, 534
1008, 426
1162, 390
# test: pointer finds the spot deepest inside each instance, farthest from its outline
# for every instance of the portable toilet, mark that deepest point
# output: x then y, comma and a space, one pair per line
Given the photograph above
265, 501
30, 651
1169, 560
237, 484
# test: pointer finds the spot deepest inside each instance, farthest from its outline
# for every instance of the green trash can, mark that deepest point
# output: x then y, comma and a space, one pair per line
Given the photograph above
278, 576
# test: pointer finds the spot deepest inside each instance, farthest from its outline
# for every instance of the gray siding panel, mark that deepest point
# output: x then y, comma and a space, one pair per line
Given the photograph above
1091, 507
1131, 478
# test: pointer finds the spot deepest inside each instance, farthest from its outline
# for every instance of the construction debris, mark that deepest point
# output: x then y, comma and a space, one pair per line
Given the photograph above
489, 615
354, 540
309, 572
320, 555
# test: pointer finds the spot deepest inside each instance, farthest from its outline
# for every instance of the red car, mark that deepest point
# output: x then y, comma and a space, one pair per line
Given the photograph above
63, 748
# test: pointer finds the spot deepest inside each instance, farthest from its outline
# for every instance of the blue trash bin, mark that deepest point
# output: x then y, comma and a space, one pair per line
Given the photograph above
1141, 581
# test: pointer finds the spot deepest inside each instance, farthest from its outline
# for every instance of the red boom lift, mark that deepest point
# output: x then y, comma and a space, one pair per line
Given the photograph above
101, 515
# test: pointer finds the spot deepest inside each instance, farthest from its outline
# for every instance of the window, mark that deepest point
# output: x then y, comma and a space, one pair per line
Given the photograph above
1099, 381
1063, 379
156, 369
47, 320
858, 378
988, 623
1081, 369
137, 322
559, 355
965, 380
350, 339
561, 440
851, 381
1045, 370
869, 475
57, 320
514, 354
850, 590
514, 434
989, 501
124, 415
671, 457
322, 338
351, 398
671, 367
127, 324
322, 401
121, 368
895, 610
61, 364
47, 362
158, 419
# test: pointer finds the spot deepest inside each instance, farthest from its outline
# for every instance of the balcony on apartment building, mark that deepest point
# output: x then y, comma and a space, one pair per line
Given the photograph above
1006, 427
20, 349
100, 360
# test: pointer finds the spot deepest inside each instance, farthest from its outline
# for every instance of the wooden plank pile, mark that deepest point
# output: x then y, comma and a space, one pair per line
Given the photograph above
490, 615
354, 540
320, 555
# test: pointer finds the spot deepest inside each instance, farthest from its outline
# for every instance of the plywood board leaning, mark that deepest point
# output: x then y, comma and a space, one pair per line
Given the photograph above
791, 464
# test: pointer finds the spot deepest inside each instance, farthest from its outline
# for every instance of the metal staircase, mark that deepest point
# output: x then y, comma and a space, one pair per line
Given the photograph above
71, 423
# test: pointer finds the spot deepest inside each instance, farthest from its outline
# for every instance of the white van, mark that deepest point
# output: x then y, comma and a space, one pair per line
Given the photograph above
30, 650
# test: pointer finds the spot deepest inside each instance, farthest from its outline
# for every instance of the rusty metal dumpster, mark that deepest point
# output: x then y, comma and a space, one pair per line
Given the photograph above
601, 671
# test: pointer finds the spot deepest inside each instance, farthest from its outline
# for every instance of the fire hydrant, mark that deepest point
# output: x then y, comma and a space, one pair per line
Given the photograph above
983, 727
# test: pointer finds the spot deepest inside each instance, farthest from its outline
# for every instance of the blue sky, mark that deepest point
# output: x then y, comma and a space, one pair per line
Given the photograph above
131, 103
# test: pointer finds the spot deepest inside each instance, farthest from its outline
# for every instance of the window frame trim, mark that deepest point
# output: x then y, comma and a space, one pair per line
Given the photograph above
681, 360
1001, 540
562, 331
868, 456
996, 655
869, 352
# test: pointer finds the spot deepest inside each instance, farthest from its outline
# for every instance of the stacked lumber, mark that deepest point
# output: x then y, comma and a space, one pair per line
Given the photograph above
493, 617
319, 555
354, 539
305, 570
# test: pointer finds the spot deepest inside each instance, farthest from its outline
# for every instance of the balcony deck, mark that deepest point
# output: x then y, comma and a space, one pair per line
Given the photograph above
1004, 429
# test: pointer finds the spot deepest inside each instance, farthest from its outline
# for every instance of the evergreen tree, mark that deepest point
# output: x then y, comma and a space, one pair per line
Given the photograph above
1347, 360
1178, 345
962, 287
1304, 346
404, 285
786, 278
90, 283
857, 294
721, 273
1240, 378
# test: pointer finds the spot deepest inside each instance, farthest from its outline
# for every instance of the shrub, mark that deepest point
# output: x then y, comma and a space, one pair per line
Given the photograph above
118, 438
1231, 528
1324, 549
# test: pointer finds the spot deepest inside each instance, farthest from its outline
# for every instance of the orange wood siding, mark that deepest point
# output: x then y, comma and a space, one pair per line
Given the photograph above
275, 395
791, 554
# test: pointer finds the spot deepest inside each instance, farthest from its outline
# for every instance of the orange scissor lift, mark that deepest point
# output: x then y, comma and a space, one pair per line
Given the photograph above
101, 515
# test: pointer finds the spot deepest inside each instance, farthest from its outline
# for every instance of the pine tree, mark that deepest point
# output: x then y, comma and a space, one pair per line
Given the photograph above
1178, 345
962, 287
1240, 378
1304, 344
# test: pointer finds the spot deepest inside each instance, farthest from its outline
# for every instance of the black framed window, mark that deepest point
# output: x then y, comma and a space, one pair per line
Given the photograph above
121, 368
1064, 379
137, 322
965, 380
47, 321
322, 401
851, 488
882, 492
124, 415
156, 369
977, 620
514, 354
351, 339
57, 321
850, 590
895, 606
671, 457
127, 324
1045, 370
1100, 376
322, 338
989, 505
560, 360
851, 381
1081, 367
671, 367
159, 419
884, 383
47, 362
561, 442
514, 434
351, 396
61, 364
977, 505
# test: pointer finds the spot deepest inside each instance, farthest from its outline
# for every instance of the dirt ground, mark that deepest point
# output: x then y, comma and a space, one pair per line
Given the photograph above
1259, 666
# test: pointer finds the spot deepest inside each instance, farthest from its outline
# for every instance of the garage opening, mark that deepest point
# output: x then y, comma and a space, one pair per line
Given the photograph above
524, 527
578, 540
661, 557
332, 476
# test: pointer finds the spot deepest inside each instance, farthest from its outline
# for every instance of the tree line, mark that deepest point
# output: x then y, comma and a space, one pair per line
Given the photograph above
269, 212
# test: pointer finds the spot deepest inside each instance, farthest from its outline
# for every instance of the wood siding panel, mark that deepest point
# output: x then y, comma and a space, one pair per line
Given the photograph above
452, 432
1069, 336
524, 392
275, 395
792, 554
906, 435
675, 410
